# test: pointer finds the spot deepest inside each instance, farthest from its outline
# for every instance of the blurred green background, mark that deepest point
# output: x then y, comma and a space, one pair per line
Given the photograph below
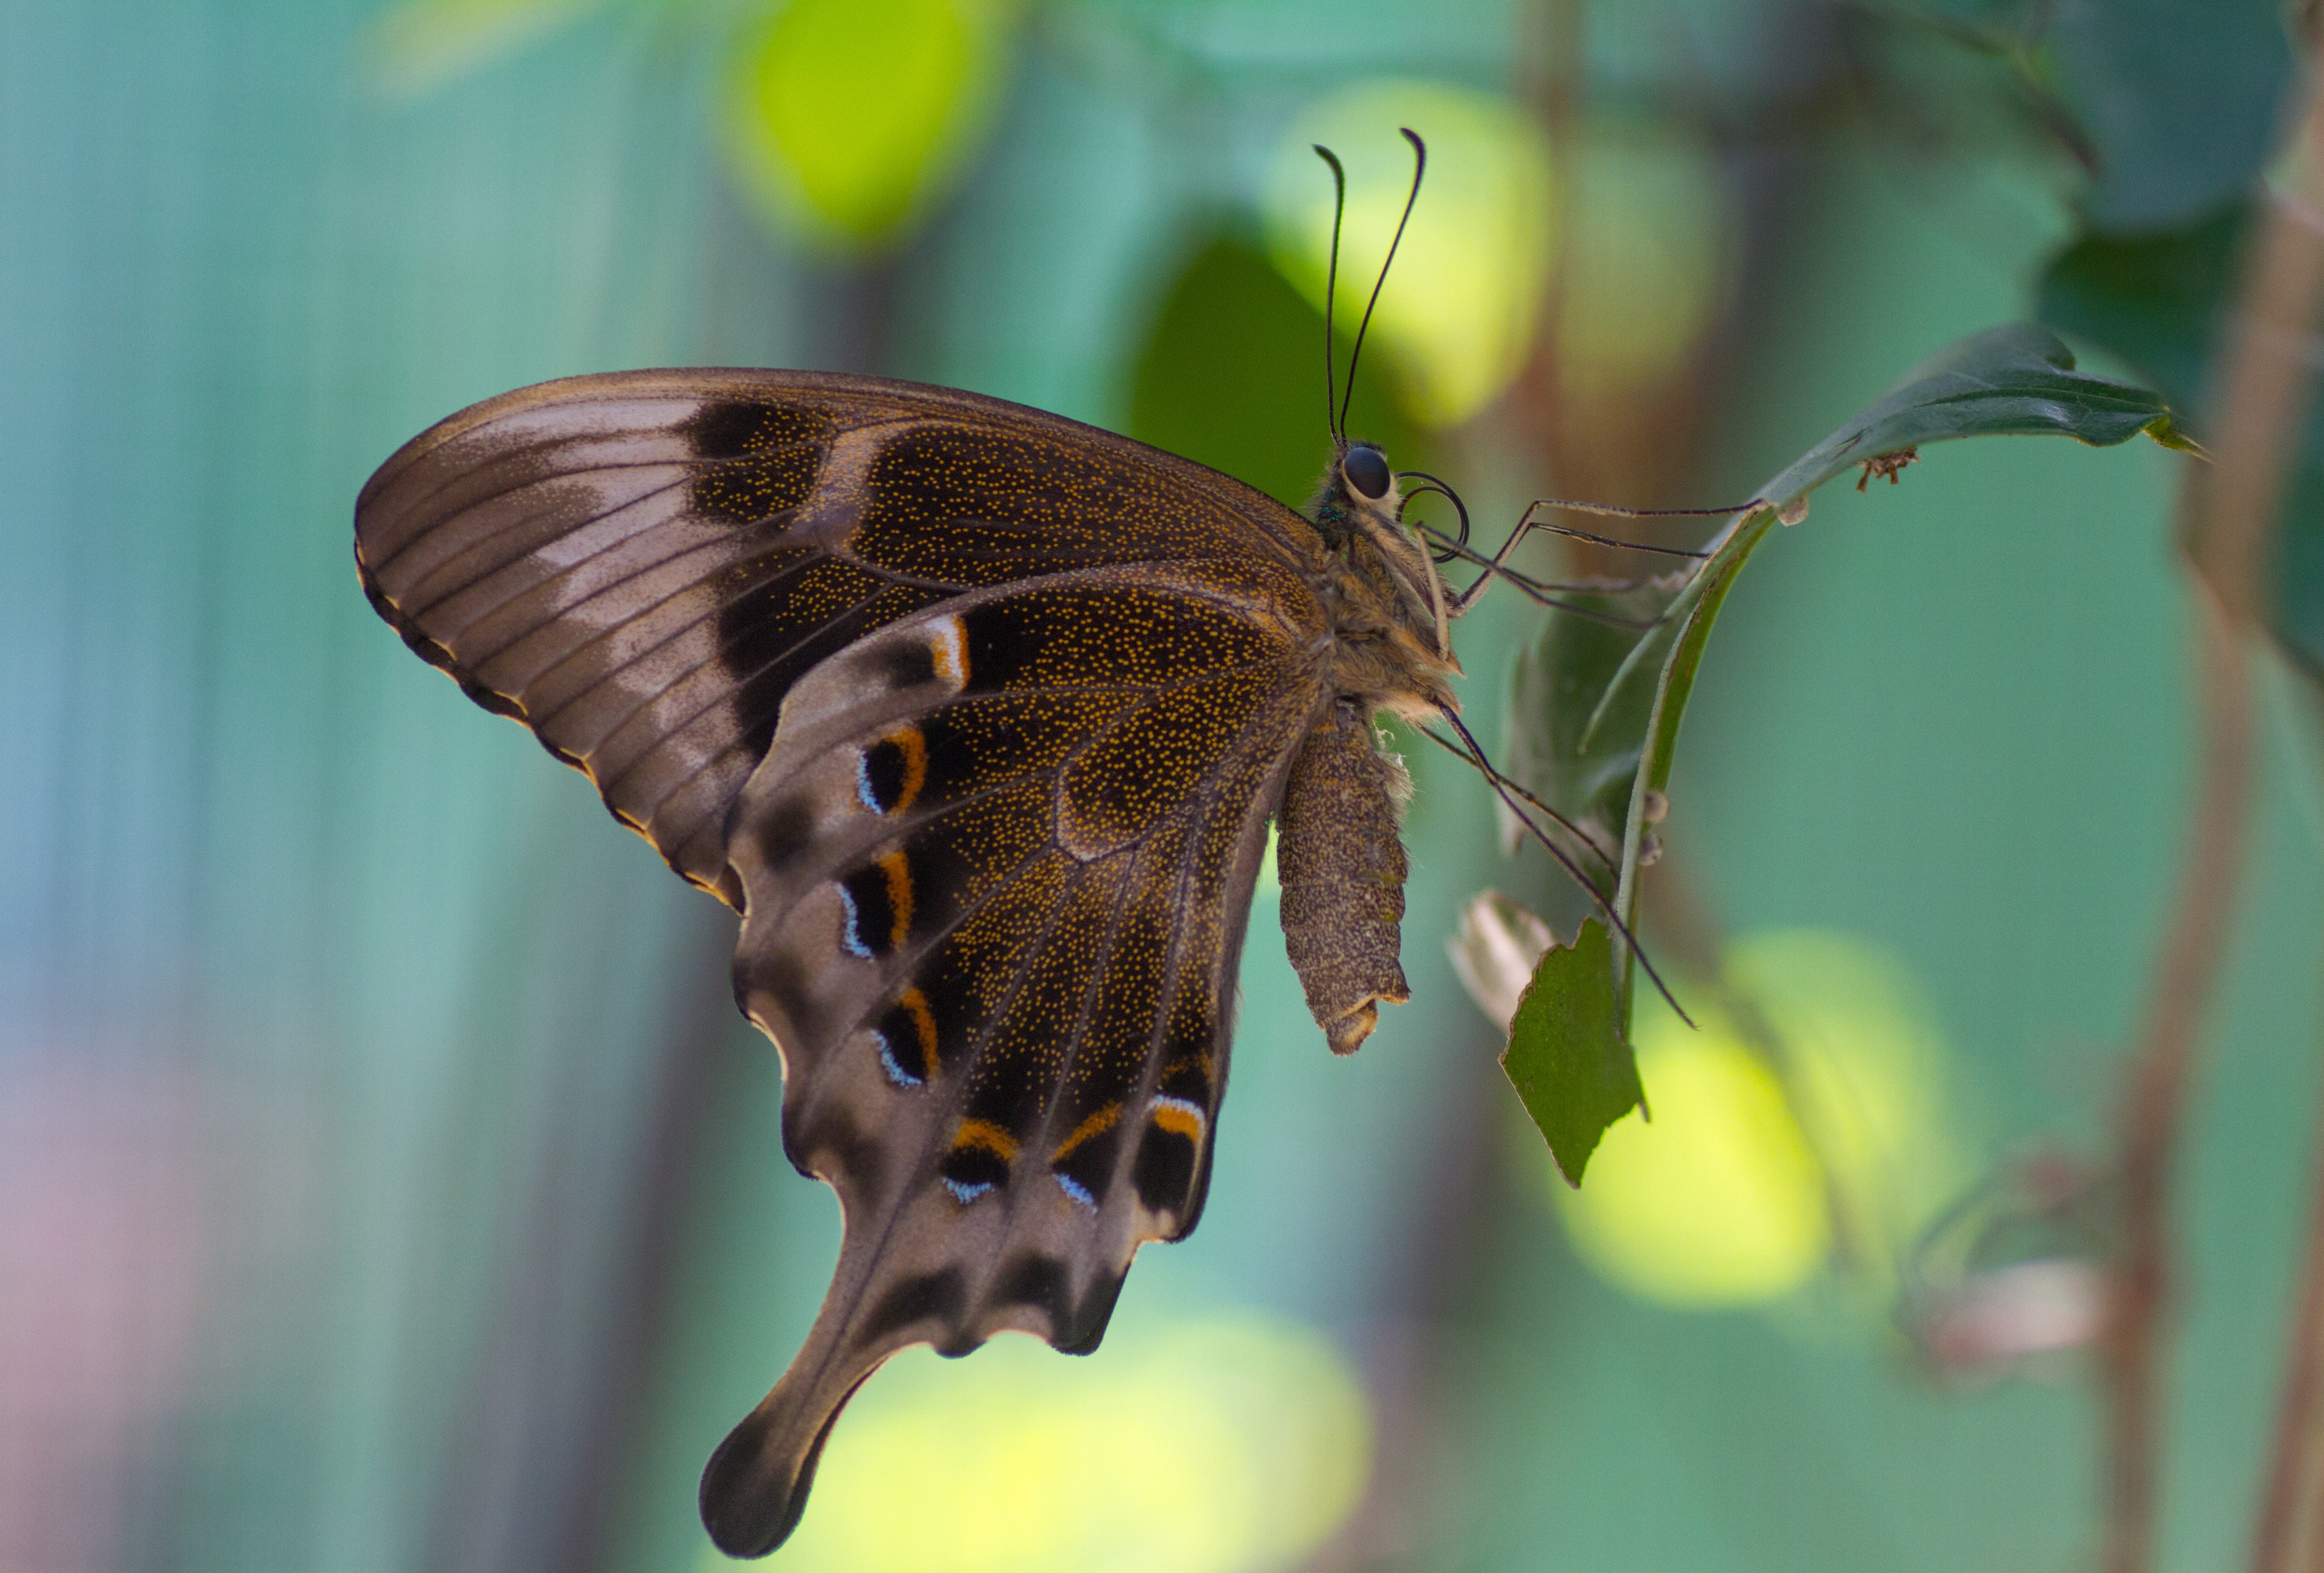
385, 1180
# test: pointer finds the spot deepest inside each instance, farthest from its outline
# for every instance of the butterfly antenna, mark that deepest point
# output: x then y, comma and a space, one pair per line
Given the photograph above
1332, 286
1419, 168
1475, 754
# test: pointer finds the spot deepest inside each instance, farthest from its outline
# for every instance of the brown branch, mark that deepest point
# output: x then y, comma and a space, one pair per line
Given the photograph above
2292, 1467
2228, 508
2159, 1075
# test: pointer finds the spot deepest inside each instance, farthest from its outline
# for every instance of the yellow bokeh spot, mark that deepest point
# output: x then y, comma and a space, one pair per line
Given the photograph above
1871, 1080
845, 117
1718, 1201
1229, 1443
1833, 1137
1458, 311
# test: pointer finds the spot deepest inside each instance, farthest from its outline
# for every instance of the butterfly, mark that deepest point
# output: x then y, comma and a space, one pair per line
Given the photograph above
979, 718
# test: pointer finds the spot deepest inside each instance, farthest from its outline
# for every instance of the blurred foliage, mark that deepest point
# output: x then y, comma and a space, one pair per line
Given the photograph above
843, 118
2015, 380
421, 43
2172, 105
2160, 302
1869, 1077
1641, 262
1459, 308
2180, 100
2183, 101
1209, 1445
1229, 373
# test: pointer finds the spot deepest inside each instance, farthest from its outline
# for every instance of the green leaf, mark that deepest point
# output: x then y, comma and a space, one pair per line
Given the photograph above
2015, 380
1598, 727
845, 118
2152, 300
1569, 1056
1576, 735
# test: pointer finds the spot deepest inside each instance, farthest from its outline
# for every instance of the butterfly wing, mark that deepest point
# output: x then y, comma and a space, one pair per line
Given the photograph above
978, 715
639, 566
997, 866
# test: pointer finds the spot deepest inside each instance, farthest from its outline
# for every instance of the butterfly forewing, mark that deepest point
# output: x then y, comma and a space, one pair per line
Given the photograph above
978, 715
640, 565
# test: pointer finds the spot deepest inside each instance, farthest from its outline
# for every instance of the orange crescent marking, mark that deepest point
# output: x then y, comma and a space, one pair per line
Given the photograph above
1097, 1125
924, 1023
984, 1133
900, 897
915, 750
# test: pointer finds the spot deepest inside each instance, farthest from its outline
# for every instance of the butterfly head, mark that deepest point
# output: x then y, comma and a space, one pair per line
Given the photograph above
1358, 495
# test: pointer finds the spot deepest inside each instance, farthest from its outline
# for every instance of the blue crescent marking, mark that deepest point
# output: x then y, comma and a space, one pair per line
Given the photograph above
1077, 1189
896, 1072
863, 782
966, 1193
852, 939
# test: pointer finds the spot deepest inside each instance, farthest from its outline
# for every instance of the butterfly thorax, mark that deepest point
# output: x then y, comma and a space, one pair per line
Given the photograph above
1388, 608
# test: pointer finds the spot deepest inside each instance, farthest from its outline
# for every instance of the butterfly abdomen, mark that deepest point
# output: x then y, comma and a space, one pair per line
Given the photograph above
1343, 869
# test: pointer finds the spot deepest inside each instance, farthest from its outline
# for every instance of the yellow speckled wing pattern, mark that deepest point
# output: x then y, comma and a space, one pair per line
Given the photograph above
978, 715
640, 565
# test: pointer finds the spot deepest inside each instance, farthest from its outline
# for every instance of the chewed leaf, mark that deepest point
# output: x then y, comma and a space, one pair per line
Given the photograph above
1595, 712
1569, 1054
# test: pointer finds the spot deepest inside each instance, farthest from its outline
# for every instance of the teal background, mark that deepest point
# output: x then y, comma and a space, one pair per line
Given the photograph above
417, 1201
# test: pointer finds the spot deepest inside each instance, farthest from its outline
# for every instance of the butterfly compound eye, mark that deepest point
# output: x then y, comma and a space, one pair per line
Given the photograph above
1367, 471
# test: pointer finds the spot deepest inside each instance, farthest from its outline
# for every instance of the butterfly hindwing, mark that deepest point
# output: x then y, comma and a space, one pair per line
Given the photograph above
993, 923
639, 566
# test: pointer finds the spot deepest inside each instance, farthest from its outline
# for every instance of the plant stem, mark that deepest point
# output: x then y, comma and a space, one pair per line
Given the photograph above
2158, 1083
2291, 1469
2226, 510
